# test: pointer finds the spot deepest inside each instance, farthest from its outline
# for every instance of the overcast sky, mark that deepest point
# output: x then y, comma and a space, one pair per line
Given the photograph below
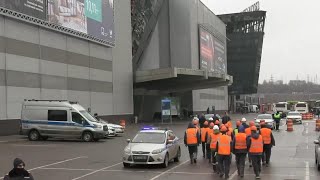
291, 45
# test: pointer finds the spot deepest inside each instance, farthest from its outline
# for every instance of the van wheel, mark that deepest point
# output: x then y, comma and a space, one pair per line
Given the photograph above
87, 136
34, 135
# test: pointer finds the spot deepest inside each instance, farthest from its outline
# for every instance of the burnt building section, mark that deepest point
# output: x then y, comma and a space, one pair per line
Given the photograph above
245, 32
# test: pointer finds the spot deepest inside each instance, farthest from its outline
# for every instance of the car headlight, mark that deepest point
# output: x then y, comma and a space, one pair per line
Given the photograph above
158, 151
127, 150
97, 126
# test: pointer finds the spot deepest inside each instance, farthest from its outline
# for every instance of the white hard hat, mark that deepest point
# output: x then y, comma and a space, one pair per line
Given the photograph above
244, 120
211, 119
215, 127
195, 118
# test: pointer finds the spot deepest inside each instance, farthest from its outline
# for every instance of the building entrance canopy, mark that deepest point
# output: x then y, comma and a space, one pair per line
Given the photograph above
179, 79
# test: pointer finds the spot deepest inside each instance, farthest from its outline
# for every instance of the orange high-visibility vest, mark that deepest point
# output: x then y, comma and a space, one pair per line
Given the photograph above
229, 133
204, 131
266, 135
256, 145
248, 131
192, 136
224, 145
229, 123
241, 141
214, 139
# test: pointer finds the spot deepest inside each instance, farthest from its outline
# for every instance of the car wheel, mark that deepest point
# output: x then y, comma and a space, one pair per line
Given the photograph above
177, 158
87, 136
126, 165
318, 165
44, 138
34, 135
165, 163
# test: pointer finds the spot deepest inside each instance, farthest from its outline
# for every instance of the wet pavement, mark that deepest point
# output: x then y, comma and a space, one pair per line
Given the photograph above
292, 158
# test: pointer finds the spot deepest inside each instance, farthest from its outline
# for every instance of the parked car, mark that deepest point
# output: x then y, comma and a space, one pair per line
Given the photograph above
268, 119
295, 116
317, 152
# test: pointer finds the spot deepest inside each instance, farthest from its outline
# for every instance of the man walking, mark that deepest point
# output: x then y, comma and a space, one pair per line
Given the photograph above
192, 140
204, 133
212, 141
255, 147
240, 150
268, 142
224, 146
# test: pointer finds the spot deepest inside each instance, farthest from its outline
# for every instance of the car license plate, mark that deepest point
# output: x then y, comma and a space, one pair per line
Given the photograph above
140, 157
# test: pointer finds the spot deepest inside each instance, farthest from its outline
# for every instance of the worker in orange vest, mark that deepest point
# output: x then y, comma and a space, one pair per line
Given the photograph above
212, 141
240, 150
236, 130
196, 123
217, 122
192, 140
208, 149
229, 130
268, 143
204, 133
224, 146
255, 147
248, 133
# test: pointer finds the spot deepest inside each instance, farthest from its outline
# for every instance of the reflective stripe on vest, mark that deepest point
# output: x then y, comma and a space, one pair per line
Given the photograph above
256, 145
192, 136
224, 145
241, 141
204, 131
266, 135
248, 131
214, 139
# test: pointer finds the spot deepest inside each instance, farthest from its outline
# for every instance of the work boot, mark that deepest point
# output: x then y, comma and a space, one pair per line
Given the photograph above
241, 176
263, 163
250, 165
267, 164
195, 161
221, 175
226, 177
258, 177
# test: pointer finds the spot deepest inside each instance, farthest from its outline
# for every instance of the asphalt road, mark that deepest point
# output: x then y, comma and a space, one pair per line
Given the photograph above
292, 158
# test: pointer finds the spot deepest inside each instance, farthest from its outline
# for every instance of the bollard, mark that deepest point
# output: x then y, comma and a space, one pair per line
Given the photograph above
289, 125
318, 125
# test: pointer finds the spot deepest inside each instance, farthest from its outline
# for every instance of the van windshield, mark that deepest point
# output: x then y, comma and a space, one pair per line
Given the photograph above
88, 116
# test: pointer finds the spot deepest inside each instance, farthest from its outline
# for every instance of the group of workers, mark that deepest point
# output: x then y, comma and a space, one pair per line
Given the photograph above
219, 140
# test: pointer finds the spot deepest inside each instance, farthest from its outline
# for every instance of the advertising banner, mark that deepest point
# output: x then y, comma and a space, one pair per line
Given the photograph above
212, 53
34, 8
93, 17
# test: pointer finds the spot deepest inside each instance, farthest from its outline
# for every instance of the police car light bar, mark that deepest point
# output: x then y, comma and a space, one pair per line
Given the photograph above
149, 128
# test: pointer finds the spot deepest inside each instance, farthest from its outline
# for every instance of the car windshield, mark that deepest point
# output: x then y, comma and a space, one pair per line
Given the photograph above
149, 137
301, 105
294, 114
264, 116
88, 116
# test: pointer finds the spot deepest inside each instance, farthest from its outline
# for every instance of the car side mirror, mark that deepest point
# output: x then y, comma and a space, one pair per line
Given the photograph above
128, 140
169, 141
316, 141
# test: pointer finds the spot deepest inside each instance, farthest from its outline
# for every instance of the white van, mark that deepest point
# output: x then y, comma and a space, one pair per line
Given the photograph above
42, 119
301, 107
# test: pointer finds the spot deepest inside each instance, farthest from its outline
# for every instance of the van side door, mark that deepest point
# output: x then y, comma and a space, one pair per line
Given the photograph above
78, 120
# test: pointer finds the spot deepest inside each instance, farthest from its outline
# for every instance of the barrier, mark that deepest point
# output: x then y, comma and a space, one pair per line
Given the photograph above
289, 125
123, 123
307, 116
318, 125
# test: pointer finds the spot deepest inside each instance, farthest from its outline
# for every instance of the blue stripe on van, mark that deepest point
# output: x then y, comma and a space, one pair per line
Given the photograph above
58, 123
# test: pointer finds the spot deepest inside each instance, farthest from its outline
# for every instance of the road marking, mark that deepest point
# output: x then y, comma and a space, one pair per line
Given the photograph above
157, 176
234, 174
68, 169
33, 145
4, 141
59, 162
307, 171
97, 171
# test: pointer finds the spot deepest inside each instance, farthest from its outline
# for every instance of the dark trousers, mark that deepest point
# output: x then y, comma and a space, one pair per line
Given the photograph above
193, 152
240, 161
224, 164
277, 124
208, 151
266, 154
203, 149
249, 159
256, 163
214, 160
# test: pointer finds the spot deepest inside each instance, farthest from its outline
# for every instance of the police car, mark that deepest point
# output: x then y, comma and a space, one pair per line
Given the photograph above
152, 146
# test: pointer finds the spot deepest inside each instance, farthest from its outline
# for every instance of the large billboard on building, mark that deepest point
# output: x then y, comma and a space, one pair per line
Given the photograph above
92, 17
35, 8
212, 53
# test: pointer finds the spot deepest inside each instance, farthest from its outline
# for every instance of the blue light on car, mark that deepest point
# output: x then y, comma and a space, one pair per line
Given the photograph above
148, 128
